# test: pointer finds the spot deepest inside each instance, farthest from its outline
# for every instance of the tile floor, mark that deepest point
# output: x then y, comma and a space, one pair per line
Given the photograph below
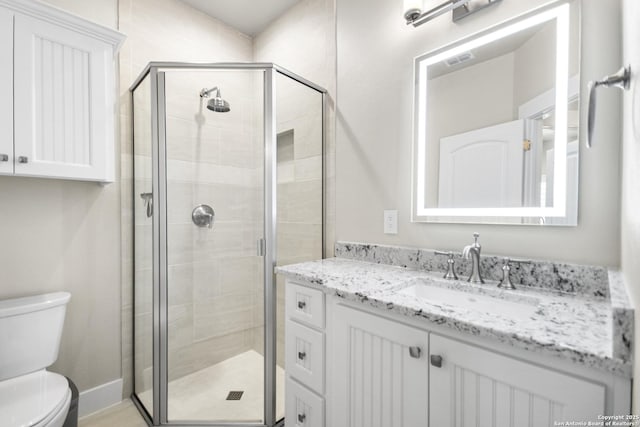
202, 396
123, 414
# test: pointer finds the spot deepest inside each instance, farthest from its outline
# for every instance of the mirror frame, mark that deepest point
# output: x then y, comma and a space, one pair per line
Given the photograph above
419, 211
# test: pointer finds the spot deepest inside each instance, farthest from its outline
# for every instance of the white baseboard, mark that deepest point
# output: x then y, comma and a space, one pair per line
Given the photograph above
100, 397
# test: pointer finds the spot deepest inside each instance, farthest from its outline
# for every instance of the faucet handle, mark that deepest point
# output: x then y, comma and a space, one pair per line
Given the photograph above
506, 283
451, 273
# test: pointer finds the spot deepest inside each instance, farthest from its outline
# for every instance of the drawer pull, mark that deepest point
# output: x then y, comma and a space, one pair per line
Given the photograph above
415, 352
301, 418
23, 159
4, 157
301, 304
302, 355
436, 361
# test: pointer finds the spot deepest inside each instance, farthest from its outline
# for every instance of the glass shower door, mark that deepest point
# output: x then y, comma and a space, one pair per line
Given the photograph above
143, 252
214, 221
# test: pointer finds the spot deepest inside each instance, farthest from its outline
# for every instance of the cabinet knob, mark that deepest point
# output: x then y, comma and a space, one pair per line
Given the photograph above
415, 352
301, 304
23, 159
302, 355
4, 157
436, 361
301, 418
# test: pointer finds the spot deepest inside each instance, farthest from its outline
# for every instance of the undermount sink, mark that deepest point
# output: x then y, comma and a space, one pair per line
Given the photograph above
434, 294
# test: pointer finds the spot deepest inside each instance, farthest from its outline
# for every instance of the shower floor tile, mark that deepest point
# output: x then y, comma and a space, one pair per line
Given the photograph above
202, 395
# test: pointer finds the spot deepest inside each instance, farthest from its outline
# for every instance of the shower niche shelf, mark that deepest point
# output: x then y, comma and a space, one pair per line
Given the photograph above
57, 92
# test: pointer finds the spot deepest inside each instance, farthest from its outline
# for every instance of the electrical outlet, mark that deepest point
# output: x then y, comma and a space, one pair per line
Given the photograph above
391, 222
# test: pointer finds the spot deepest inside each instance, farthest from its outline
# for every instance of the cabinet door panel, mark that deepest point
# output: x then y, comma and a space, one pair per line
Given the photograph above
481, 388
6, 92
63, 107
375, 381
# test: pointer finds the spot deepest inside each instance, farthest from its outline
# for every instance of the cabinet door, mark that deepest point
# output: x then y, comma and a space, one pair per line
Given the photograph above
63, 102
376, 382
476, 387
6, 92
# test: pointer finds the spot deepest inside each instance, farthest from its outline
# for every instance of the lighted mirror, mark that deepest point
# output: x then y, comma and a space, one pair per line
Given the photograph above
496, 124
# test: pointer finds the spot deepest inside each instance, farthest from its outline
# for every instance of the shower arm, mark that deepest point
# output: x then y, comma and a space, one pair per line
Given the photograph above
204, 93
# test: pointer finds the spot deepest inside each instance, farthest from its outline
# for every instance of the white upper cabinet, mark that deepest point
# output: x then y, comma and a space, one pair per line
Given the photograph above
63, 93
6, 92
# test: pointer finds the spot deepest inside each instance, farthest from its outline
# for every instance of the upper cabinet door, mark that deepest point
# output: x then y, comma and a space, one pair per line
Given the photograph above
6, 92
63, 102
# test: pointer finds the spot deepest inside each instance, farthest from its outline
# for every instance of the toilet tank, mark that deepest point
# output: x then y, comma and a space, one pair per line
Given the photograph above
30, 332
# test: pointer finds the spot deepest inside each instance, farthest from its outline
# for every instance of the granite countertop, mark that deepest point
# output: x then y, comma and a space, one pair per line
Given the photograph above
582, 329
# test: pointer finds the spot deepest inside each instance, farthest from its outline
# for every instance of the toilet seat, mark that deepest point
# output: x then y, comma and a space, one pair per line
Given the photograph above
38, 399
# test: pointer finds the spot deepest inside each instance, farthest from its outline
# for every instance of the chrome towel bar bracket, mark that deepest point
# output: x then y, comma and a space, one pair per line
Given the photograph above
621, 80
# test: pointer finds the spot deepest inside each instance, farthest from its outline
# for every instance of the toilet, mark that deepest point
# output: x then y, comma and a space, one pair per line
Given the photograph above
30, 332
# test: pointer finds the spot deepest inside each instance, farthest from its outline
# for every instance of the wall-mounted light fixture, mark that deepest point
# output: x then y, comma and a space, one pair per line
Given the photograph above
415, 15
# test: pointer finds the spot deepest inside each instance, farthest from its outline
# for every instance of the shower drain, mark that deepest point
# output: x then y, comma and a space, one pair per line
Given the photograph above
234, 395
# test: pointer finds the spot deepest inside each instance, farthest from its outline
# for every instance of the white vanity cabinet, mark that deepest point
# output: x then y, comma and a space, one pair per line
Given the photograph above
58, 88
388, 370
380, 373
304, 356
480, 387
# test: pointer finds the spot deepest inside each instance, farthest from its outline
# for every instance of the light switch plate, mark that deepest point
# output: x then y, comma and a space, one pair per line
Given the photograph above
391, 222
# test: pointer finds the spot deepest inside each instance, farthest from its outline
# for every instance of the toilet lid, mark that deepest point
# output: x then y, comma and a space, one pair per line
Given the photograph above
28, 399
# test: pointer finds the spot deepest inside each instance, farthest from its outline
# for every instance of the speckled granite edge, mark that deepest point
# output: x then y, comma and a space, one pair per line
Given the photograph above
375, 285
622, 316
585, 280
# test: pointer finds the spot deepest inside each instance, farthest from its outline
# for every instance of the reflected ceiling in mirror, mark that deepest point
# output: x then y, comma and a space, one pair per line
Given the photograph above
496, 119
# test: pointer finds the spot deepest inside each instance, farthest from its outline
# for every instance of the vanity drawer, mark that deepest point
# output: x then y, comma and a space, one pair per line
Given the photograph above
305, 355
305, 305
304, 408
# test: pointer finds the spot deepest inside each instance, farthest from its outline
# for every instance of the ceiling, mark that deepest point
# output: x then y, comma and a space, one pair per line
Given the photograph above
247, 16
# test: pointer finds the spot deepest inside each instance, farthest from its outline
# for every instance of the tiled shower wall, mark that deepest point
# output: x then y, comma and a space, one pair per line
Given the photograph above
211, 160
216, 305
303, 41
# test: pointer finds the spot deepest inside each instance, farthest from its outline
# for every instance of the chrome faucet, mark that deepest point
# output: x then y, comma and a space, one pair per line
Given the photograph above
473, 251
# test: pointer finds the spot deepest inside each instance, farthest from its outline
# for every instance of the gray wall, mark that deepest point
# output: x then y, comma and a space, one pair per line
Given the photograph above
374, 135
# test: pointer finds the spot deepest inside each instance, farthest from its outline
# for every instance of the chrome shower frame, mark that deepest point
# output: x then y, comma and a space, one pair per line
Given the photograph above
156, 72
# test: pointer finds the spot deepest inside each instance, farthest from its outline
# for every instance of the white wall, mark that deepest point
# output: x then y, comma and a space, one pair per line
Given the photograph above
630, 227
63, 235
374, 131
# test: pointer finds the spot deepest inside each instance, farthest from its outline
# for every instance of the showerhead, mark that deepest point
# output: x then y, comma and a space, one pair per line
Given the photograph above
216, 103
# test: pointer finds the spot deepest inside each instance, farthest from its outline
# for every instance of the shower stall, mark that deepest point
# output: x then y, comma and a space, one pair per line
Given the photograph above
228, 182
